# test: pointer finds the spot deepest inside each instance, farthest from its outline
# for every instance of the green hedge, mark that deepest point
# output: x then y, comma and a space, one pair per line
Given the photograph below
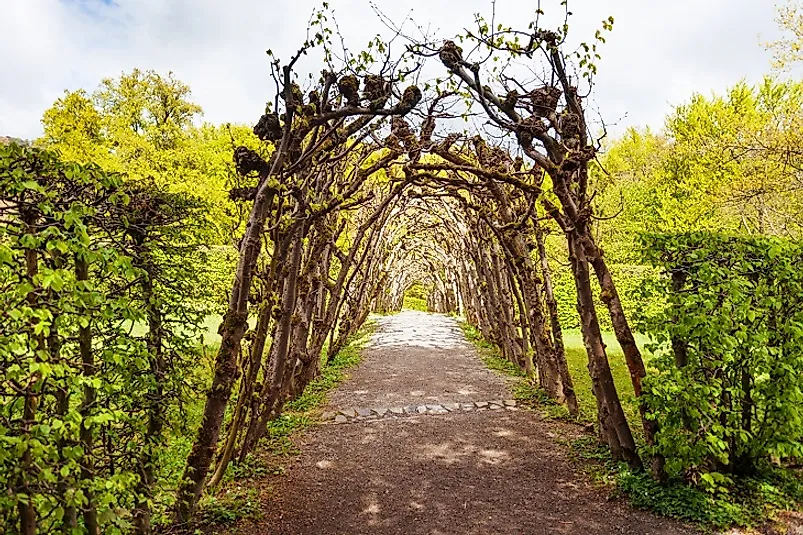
728, 356
628, 279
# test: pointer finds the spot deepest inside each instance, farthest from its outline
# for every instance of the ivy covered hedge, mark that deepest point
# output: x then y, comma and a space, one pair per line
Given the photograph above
726, 387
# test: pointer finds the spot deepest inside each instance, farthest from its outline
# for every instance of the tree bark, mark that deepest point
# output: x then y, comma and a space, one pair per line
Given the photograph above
155, 406
554, 321
624, 335
231, 330
247, 385
90, 515
614, 426
278, 371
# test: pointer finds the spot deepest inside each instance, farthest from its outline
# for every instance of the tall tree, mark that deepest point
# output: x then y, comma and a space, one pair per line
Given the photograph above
143, 124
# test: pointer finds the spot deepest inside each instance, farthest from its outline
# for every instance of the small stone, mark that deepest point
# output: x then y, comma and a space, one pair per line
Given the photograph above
510, 403
435, 407
328, 416
421, 409
481, 404
410, 409
340, 419
381, 412
451, 406
417, 393
364, 412
349, 413
467, 406
439, 411
397, 410
497, 402
324, 464
514, 409
494, 406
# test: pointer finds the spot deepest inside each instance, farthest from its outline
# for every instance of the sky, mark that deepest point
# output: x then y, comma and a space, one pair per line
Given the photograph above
657, 56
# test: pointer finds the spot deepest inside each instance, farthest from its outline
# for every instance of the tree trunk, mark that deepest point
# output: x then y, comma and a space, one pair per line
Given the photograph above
155, 407
278, 371
624, 335
557, 331
614, 426
203, 450
90, 515
247, 385
231, 330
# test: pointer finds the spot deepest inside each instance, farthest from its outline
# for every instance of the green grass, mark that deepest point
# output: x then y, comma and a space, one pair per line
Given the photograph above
209, 328
577, 360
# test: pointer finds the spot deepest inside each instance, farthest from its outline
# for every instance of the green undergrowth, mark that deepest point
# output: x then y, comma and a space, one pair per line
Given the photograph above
414, 303
489, 352
747, 502
236, 500
229, 506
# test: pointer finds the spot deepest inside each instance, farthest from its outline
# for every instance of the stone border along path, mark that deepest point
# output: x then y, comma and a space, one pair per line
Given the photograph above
354, 415
423, 439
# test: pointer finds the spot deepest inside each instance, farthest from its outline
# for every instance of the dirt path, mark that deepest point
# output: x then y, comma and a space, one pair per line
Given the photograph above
430, 447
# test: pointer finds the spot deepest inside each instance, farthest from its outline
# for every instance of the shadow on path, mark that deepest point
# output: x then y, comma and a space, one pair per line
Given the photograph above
480, 472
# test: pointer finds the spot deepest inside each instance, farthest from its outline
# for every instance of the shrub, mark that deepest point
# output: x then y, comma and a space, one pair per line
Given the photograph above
99, 316
728, 350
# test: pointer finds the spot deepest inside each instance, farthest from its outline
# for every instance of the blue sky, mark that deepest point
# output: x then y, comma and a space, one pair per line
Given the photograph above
658, 55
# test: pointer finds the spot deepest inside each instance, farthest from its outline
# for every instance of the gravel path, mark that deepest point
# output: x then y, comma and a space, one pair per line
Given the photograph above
417, 358
436, 472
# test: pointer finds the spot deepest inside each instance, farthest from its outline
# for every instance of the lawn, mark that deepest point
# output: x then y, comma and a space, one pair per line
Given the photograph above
577, 359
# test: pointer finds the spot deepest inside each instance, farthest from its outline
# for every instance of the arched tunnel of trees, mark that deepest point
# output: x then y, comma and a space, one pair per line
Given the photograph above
361, 187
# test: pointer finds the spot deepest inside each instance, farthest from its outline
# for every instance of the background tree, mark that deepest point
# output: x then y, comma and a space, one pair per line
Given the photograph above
789, 50
145, 125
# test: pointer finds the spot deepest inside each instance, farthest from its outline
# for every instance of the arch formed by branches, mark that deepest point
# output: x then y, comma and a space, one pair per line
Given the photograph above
365, 188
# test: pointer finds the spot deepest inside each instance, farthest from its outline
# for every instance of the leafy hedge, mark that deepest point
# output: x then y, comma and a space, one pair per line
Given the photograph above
100, 314
628, 278
728, 352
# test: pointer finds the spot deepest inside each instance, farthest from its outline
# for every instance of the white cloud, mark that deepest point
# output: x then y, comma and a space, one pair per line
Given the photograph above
658, 54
